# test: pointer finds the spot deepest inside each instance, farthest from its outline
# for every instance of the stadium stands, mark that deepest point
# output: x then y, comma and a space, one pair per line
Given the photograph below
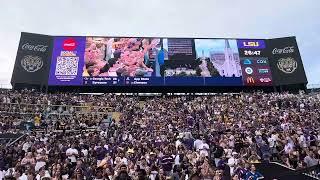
112, 136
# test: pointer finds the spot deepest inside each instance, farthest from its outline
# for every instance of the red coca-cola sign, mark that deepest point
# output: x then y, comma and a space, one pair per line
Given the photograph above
69, 44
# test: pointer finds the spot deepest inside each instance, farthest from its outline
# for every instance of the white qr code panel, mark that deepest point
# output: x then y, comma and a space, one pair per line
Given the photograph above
67, 66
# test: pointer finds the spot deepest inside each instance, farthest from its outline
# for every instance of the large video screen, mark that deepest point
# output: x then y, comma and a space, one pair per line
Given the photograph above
133, 61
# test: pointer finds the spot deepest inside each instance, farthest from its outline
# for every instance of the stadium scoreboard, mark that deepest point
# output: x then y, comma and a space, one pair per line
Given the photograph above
154, 61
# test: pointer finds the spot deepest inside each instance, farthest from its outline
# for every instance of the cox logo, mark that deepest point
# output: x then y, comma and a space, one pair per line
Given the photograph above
249, 70
69, 44
261, 61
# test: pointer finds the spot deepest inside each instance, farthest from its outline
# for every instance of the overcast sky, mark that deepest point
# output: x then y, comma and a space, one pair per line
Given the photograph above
173, 18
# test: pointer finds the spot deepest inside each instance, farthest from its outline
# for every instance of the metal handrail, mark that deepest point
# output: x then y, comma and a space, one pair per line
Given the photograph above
11, 143
62, 105
30, 108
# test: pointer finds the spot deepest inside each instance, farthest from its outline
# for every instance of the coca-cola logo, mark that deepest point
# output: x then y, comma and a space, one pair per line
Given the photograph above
287, 65
31, 63
69, 44
36, 48
286, 50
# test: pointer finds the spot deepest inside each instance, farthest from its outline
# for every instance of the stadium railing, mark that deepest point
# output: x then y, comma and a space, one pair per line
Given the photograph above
32, 109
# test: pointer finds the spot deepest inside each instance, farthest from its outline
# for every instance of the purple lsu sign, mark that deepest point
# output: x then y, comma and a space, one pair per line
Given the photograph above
251, 44
67, 61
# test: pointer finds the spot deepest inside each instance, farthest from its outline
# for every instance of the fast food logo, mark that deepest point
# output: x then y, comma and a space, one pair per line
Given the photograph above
250, 80
69, 44
31, 63
287, 65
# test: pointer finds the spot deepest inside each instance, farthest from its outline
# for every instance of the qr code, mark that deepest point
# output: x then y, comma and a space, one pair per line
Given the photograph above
67, 66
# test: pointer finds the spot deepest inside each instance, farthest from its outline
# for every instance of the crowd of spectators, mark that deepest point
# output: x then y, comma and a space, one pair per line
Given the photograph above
163, 137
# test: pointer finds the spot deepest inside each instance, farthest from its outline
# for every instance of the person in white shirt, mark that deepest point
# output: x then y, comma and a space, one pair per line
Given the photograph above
204, 148
197, 144
233, 161
178, 141
9, 172
302, 140
2, 174
231, 141
44, 139
272, 142
288, 148
23, 177
177, 159
26, 146
41, 159
72, 154
123, 159
84, 152
42, 174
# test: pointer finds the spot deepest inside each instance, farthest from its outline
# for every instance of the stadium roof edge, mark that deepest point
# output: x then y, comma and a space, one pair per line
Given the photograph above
128, 36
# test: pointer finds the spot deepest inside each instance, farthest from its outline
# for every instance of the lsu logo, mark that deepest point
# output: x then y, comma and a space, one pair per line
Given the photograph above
251, 44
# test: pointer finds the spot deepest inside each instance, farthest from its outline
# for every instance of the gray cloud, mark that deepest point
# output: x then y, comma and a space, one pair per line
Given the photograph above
174, 18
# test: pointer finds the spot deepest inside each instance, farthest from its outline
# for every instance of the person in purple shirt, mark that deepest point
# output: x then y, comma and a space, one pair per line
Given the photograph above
241, 171
167, 162
101, 153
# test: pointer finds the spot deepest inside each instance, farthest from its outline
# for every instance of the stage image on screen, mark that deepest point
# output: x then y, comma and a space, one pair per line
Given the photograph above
201, 58
179, 58
218, 57
112, 57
